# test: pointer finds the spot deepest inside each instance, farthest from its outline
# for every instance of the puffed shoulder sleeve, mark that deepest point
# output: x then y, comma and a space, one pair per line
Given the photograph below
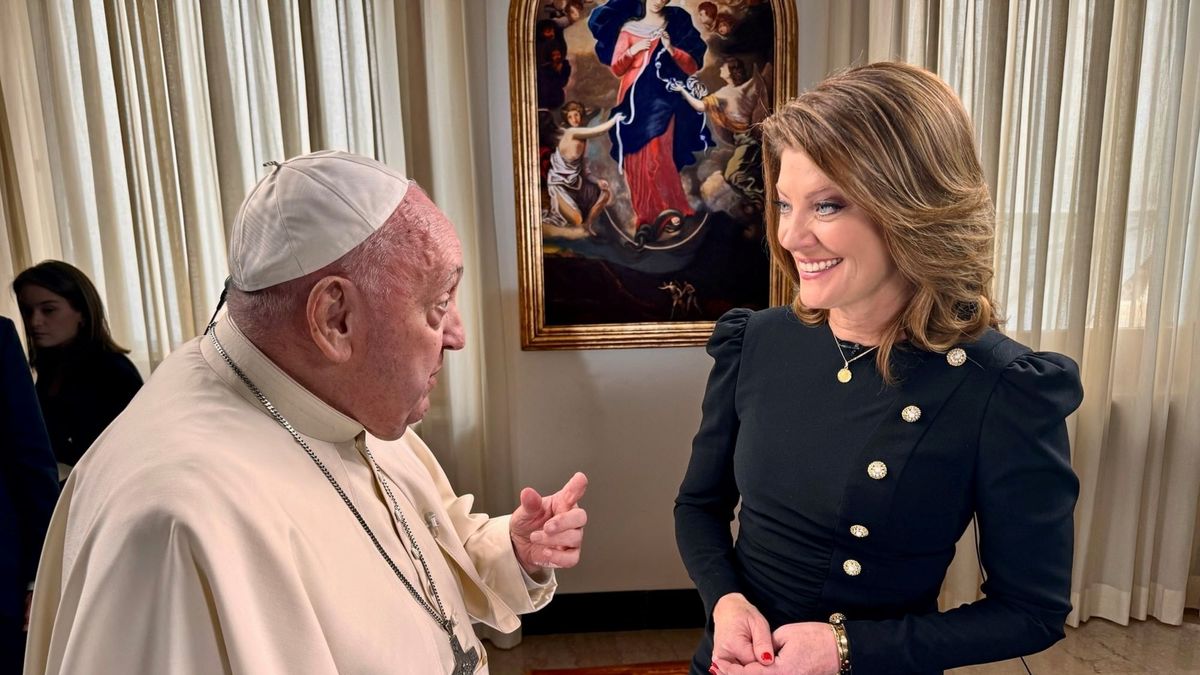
1044, 384
726, 339
1025, 493
708, 494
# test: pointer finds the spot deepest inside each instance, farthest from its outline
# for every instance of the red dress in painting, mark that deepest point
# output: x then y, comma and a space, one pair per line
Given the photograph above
654, 182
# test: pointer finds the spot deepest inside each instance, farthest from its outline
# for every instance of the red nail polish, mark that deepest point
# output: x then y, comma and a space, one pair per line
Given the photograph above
766, 657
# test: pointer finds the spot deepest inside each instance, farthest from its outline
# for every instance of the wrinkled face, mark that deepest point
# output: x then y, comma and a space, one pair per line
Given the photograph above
414, 326
51, 320
841, 256
574, 118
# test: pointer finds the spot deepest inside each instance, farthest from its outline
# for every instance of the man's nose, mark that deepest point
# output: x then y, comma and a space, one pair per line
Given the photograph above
455, 336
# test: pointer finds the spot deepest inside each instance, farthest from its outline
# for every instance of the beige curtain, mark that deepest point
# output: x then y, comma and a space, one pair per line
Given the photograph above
131, 130
1088, 119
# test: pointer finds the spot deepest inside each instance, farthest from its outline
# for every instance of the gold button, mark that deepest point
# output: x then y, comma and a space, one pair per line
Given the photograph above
859, 531
877, 470
956, 357
837, 618
852, 567
910, 414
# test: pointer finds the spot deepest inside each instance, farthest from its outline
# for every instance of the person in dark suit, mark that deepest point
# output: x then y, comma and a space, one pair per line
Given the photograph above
28, 490
84, 378
864, 426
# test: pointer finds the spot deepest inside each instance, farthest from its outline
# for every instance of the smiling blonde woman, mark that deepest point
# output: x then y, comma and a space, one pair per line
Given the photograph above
864, 426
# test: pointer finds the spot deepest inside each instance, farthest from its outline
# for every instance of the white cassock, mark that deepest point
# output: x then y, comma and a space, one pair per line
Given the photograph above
196, 536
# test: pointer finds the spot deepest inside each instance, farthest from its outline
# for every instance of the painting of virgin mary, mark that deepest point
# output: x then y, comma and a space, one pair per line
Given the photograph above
639, 174
649, 46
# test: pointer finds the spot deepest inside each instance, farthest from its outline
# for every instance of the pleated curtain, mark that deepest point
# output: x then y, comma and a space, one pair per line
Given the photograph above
133, 130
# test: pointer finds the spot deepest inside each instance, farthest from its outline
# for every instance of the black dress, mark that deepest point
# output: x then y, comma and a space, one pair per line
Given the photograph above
81, 392
851, 505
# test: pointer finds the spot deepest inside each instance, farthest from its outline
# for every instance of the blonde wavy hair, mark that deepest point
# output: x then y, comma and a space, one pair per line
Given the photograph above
898, 142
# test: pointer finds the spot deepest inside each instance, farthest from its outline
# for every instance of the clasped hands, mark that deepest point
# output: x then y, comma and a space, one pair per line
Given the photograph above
645, 43
547, 532
743, 643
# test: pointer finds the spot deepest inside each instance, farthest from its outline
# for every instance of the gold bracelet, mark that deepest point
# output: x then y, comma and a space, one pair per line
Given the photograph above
843, 647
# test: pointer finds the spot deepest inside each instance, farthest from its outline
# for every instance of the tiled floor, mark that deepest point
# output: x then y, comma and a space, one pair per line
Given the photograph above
1097, 647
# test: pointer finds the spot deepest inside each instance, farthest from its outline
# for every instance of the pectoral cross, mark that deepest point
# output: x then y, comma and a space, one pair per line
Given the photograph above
464, 661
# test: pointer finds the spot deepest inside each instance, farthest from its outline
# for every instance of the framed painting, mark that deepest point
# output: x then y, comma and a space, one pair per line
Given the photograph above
638, 165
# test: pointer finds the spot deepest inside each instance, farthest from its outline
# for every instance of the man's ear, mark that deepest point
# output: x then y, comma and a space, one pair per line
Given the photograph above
334, 314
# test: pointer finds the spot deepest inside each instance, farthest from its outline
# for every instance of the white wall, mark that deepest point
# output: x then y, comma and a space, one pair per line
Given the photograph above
625, 417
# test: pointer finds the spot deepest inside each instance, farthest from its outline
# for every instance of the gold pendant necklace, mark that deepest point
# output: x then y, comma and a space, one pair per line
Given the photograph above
844, 375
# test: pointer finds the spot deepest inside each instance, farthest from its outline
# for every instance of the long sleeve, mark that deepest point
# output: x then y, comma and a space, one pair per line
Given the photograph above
708, 494
622, 60
487, 545
685, 60
27, 465
1025, 495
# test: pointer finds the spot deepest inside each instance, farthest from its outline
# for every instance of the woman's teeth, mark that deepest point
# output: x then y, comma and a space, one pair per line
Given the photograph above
820, 266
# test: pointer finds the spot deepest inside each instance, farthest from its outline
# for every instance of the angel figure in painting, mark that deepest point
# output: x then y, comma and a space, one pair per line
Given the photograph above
735, 110
648, 44
707, 12
576, 199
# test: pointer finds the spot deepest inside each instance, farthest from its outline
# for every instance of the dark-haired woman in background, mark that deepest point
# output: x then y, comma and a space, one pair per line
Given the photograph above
863, 427
84, 379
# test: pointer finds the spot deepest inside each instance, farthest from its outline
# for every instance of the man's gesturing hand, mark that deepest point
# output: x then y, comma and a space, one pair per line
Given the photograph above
548, 531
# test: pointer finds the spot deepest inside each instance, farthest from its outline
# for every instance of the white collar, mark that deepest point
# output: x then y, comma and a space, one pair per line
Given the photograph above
643, 31
310, 415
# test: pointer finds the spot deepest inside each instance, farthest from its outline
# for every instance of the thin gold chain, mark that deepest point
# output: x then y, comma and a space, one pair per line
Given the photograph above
845, 361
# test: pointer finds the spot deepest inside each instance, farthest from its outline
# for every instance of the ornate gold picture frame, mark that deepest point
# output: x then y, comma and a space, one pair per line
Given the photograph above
639, 185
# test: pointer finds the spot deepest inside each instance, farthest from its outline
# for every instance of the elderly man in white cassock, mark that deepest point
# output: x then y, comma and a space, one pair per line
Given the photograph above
262, 505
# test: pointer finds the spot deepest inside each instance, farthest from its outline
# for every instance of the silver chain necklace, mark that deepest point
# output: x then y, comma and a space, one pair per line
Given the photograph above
465, 661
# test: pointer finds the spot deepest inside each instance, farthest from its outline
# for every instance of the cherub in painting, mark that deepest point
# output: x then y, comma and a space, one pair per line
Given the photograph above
576, 199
